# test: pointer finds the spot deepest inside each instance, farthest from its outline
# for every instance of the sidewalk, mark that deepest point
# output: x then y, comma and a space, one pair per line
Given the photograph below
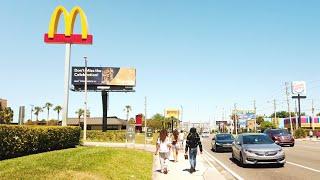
180, 169
176, 171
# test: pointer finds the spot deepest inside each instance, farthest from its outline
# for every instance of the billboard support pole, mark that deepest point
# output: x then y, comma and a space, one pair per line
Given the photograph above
66, 84
105, 99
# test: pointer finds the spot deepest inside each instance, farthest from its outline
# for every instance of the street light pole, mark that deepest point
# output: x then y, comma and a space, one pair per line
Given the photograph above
31, 105
85, 100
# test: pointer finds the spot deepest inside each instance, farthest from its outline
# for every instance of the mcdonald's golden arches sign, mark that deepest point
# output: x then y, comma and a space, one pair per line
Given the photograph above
69, 21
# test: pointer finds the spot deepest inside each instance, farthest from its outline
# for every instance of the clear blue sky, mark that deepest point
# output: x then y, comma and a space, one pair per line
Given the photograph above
203, 55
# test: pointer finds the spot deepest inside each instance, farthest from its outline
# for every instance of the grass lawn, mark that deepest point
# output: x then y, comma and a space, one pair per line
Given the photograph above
80, 163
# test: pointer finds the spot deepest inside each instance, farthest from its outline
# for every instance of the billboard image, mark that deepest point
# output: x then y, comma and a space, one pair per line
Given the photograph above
104, 76
172, 113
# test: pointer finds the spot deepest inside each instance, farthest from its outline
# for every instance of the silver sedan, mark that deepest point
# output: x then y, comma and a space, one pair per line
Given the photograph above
257, 148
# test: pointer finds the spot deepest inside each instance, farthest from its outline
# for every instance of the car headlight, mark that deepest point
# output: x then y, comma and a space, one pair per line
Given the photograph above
219, 144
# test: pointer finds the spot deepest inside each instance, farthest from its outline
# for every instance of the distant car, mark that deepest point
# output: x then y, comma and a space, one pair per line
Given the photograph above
222, 142
205, 134
257, 148
280, 136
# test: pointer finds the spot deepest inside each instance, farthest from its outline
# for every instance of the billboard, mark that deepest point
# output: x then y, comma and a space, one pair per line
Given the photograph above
172, 113
298, 87
104, 76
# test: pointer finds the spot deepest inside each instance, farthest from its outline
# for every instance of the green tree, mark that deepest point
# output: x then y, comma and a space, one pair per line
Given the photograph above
58, 109
282, 114
48, 106
6, 115
79, 113
259, 119
37, 110
266, 124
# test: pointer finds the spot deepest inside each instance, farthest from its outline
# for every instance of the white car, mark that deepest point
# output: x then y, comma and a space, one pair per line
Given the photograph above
205, 134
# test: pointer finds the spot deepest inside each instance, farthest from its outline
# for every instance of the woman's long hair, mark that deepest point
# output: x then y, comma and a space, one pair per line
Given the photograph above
175, 134
163, 135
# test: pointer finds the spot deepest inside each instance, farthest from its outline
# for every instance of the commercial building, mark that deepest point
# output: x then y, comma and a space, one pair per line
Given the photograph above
95, 123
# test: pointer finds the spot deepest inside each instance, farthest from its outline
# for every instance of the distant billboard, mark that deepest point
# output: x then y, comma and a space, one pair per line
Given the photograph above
104, 76
298, 87
172, 113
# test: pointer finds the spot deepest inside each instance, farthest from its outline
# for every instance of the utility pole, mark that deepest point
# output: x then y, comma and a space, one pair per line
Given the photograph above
295, 103
145, 120
85, 100
181, 118
288, 103
312, 118
275, 110
255, 115
236, 118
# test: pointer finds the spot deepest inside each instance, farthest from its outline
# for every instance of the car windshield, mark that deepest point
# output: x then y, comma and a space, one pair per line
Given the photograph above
224, 137
257, 139
280, 132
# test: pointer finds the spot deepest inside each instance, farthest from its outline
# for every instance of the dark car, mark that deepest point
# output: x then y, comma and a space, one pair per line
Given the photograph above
222, 142
280, 136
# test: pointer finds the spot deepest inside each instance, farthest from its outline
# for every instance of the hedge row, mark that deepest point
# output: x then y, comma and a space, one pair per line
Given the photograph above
17, 141
108, 136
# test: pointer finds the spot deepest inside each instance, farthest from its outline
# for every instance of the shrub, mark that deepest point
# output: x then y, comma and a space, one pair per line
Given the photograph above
23, 140
109, 136
300, 133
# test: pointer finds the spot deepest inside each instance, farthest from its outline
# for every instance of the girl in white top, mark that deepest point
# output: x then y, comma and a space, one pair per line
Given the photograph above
163, 147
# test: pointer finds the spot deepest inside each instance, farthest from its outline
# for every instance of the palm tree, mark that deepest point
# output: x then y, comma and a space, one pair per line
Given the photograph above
80, 113
58, 109
128, 109
6, 115
48, 106
37, 110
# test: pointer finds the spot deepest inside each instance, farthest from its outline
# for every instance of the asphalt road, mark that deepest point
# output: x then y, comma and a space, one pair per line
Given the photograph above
303, 162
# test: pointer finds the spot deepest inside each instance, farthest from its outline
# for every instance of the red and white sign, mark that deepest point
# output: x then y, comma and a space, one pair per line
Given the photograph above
298, 87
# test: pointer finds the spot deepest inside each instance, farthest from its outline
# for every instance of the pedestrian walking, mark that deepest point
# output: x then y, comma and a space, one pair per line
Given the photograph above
175, 145
181, 139
192, 143
163, 147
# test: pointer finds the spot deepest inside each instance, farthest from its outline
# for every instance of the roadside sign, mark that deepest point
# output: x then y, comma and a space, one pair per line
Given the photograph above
130, 135
149, 132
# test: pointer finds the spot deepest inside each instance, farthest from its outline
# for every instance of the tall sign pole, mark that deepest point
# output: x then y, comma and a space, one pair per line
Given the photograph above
66, 84
85, 100
299, 87
68, 38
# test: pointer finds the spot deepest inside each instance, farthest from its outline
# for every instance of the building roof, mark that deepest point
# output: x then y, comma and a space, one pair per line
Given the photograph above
97, 121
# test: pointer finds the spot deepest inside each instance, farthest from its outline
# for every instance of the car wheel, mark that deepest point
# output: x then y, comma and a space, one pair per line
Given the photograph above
242, 161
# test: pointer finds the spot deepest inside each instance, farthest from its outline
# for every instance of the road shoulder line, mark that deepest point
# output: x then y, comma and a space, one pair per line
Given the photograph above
224, 166
305, 167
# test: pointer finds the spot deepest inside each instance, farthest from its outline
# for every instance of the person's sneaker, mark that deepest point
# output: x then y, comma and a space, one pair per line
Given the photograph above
165, 171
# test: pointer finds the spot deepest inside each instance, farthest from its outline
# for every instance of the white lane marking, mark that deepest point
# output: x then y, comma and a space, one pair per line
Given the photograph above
311, 169
224, 166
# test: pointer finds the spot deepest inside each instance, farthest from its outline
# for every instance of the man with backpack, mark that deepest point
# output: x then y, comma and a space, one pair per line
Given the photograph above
192, 143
